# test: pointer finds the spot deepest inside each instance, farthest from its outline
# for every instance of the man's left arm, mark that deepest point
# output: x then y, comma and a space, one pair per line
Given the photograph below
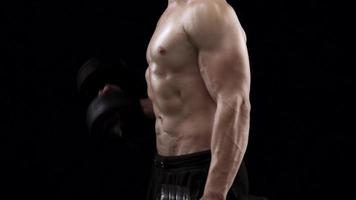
224, 66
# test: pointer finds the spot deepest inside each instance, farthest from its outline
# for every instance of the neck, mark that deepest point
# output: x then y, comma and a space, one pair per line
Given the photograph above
177, 1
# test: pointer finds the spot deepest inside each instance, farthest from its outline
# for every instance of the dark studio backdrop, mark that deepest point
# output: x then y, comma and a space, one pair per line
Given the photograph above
301, 119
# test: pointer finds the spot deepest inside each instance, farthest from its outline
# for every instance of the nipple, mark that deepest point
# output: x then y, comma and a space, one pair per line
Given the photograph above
162, 51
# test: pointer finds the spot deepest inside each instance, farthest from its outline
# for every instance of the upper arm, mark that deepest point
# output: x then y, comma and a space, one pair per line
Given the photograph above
222, 53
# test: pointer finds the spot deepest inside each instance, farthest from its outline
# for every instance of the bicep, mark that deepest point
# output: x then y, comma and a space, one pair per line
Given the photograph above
222, 52
225, 67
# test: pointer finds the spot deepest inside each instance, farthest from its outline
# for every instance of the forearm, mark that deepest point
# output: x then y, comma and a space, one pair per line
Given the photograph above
228, 146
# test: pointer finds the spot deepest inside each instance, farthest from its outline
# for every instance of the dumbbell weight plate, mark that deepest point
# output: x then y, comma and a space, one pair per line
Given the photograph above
107, 115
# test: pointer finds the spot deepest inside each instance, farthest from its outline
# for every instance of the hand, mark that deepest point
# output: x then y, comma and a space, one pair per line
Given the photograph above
146, 104
109, 88
147, 107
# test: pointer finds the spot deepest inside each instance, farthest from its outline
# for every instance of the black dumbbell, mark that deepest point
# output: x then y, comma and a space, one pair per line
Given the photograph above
95, 73
114, 113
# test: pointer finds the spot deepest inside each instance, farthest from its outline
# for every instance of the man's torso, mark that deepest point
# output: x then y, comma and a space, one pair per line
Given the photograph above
183, 108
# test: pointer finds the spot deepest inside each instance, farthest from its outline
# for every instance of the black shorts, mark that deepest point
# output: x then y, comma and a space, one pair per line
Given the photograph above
183, 178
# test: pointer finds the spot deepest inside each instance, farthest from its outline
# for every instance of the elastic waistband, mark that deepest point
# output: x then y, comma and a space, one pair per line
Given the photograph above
196, 159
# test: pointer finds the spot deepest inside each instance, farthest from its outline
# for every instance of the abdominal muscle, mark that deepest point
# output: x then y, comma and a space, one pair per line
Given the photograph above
184, 111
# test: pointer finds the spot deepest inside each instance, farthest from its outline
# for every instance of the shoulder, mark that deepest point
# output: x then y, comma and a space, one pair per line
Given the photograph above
209, 15
208, 19
217, 4
207, 10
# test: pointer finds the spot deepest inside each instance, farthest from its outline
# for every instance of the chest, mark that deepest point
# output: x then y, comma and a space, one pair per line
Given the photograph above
170, 44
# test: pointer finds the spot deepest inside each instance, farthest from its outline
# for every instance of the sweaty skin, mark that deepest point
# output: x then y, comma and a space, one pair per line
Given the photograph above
199, 82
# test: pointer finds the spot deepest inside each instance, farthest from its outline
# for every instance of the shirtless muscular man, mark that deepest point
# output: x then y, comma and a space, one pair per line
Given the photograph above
199, 83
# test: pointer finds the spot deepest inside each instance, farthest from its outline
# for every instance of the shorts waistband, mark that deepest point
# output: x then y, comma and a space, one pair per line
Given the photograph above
196, 159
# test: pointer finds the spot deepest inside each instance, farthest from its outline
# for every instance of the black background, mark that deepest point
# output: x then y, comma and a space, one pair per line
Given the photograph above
302, 95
